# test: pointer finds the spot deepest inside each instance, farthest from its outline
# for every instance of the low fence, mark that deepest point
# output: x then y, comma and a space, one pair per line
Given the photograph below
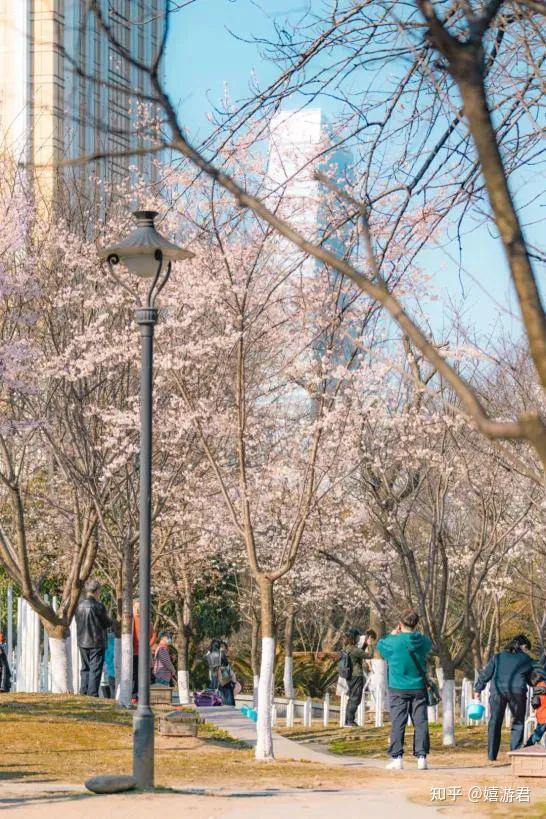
373, 709
30, 662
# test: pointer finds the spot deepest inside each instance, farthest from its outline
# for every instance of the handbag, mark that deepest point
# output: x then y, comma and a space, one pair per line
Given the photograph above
432, 690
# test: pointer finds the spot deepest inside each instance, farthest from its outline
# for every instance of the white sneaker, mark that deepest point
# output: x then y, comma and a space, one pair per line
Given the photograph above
396, 764
422, 764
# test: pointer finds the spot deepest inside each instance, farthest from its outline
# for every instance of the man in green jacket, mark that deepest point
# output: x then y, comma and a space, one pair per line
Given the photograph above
405, 649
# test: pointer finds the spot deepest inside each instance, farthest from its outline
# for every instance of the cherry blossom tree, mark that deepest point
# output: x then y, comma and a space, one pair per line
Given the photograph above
460, 58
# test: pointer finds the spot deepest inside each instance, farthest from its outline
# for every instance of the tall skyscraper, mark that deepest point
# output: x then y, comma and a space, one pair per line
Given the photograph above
65, 91
300, 142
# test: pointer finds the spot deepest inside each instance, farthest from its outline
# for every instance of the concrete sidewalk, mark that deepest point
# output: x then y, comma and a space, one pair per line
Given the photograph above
67, 803
227, 718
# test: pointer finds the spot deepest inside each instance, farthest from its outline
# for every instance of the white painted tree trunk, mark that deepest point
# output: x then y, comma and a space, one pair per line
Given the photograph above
379, 688
126, 680
117, 663
255, 686
448, 712
288, 680
264, 735
184, 686
75, 660
60, 663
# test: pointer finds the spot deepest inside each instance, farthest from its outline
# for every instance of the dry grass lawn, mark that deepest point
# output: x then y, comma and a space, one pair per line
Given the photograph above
67, 739
371, 742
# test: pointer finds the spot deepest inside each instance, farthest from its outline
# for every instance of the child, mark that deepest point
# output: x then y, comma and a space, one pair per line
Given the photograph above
538, 681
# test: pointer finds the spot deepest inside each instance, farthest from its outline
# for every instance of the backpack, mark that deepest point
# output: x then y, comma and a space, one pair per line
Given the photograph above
224, 675
345, 666
214, 660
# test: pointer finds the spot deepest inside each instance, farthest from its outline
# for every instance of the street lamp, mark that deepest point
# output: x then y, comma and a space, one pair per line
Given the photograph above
149, 255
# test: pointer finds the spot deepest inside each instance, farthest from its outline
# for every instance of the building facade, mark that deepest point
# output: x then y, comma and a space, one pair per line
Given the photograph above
300, 142
65, 91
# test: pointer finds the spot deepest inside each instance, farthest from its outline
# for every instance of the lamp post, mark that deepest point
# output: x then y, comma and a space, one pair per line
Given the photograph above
149, 255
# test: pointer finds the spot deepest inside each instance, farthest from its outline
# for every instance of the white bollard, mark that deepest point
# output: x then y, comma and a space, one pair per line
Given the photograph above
342, 710
307, 713
484, 698
530, 725
290, 714
359, 716
432, 713
463, 719
326, 711
508, 718
467, 698
378, 687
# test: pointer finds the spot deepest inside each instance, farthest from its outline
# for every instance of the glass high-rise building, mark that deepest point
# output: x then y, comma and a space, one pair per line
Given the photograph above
65, 91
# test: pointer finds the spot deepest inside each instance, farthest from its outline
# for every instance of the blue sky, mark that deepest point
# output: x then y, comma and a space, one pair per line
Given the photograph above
204, 60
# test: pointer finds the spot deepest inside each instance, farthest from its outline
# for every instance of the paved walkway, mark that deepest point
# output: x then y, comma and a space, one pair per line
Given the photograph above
231, 720
358, 804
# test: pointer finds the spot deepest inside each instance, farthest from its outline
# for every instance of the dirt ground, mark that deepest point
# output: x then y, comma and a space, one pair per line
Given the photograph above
49, 740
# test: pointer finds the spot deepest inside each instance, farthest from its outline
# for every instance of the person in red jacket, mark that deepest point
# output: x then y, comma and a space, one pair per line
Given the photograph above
538, 681
136, 632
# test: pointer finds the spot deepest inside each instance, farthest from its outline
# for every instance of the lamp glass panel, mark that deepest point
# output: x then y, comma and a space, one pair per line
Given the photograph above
144, 266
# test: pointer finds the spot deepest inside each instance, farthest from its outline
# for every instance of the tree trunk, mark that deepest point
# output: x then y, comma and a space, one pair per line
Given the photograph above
264, 738
447, 676
377, 621
288, 679
61, 667
125, 690
254, 660
183, 667
467, 68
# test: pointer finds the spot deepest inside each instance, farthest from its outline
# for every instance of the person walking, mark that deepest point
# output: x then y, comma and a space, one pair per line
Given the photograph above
538, 703
406, 650
226, 677
110, 664
92, 622
136, 639
355, 681
509, 673
213, 658
5, 672
164, 670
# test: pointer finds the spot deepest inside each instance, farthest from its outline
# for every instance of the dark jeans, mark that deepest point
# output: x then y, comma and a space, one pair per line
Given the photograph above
226, 692
356, 686
92, 660
537, 734
135, 675
404, 704
517, 703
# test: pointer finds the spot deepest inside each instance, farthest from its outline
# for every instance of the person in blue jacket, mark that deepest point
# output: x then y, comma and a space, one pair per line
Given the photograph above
110, 663
509, 673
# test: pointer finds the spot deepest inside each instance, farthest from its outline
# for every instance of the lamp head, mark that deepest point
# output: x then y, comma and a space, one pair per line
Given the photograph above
144, 247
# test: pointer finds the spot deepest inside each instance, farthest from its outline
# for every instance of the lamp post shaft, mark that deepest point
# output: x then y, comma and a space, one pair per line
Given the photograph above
143, 722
